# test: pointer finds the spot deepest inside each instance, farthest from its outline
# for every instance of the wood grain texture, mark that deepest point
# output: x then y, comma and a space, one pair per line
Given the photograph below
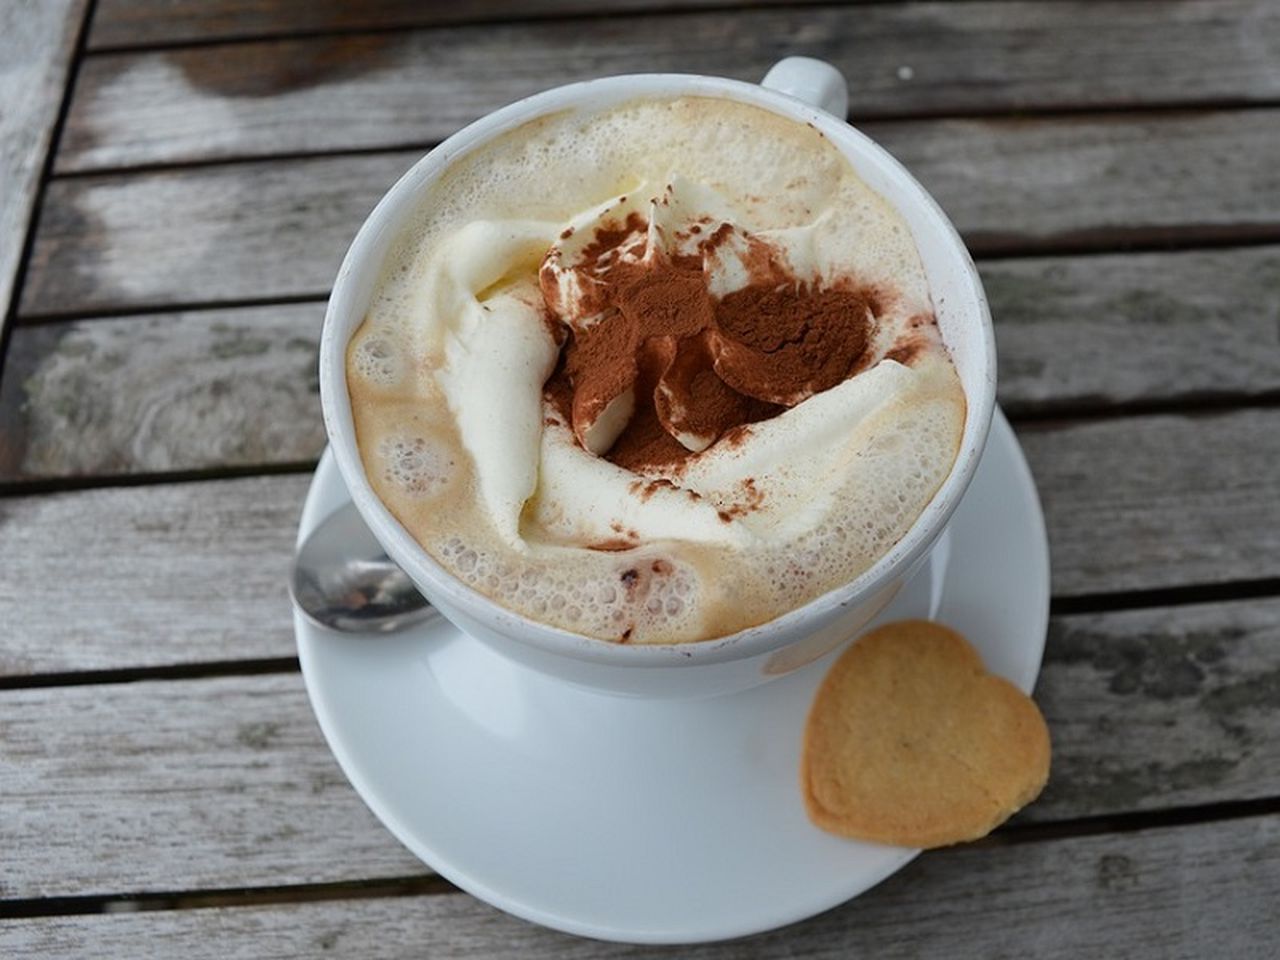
127, 23
178, 573
279, 228
1088, 333
165, 392
178, 785
901, 59
203, 236
236, 387
175, 786
1173, 894
1131, 504
1160, 501
37, 41
217, 783
1161, 707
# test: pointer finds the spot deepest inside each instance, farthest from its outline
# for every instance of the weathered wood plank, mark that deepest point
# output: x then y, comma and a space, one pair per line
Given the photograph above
1021, 185
1175, 894
36, 45
279, 228
1092, 332
159, 393
386, 90
1137, 503
155, 576
179, 785
128, 23
236, 387
214, 235
1159, 501
1161, 707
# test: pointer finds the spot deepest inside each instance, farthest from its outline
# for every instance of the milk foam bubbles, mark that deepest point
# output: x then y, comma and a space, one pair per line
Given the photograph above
446, 378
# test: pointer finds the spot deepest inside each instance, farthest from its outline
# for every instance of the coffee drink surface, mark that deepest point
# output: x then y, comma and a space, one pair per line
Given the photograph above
655, 374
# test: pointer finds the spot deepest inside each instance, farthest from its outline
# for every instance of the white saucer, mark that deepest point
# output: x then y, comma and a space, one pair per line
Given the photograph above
642, 821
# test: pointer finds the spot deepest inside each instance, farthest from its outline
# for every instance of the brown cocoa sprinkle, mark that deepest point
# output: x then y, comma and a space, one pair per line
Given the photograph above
784, 344
752, 499
626, 635
696, 401
667, 300
646, 489
566, 233
905, 353
716, 238
629, 577
645, 444
720, 364
610, 236
615, 545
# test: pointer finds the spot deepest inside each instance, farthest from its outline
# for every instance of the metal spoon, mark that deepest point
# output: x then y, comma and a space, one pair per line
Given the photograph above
344, 580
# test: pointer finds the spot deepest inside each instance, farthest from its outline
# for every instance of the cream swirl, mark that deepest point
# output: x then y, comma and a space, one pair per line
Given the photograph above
540, 468
769, 408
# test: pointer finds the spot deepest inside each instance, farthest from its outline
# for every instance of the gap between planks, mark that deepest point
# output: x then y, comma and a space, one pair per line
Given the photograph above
425, 885
70, 484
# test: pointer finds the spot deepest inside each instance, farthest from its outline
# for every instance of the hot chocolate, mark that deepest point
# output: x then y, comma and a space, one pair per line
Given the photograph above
655, 374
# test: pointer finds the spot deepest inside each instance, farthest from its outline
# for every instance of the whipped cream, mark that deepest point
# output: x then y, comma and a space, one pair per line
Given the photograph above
631, 450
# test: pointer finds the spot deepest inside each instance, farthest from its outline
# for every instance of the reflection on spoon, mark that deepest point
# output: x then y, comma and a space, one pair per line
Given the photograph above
344, 580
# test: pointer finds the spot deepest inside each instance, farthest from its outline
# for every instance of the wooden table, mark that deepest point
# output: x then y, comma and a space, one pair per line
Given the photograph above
180, 179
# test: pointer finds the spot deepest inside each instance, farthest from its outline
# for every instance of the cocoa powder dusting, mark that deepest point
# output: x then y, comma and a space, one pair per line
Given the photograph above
670, 301
646, 444
616, 545
784, 344
751, 500
698, 401
601, 364
700, 368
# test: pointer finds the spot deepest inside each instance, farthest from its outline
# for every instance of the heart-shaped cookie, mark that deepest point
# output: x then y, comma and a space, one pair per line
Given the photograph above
910, 741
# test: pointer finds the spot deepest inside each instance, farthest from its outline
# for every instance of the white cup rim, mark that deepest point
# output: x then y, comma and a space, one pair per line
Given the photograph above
363, 262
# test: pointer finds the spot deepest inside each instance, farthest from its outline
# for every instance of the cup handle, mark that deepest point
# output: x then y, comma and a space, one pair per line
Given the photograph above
814, 81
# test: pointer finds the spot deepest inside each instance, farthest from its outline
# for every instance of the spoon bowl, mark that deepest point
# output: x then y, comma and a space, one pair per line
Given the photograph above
343, 580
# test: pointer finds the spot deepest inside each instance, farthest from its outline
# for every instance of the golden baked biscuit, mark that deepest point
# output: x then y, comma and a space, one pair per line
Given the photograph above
910, 741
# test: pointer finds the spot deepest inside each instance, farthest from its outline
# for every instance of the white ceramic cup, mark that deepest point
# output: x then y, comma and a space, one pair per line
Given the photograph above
803, 90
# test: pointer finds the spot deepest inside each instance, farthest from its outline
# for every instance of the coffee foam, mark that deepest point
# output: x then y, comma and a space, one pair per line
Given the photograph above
784, 543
